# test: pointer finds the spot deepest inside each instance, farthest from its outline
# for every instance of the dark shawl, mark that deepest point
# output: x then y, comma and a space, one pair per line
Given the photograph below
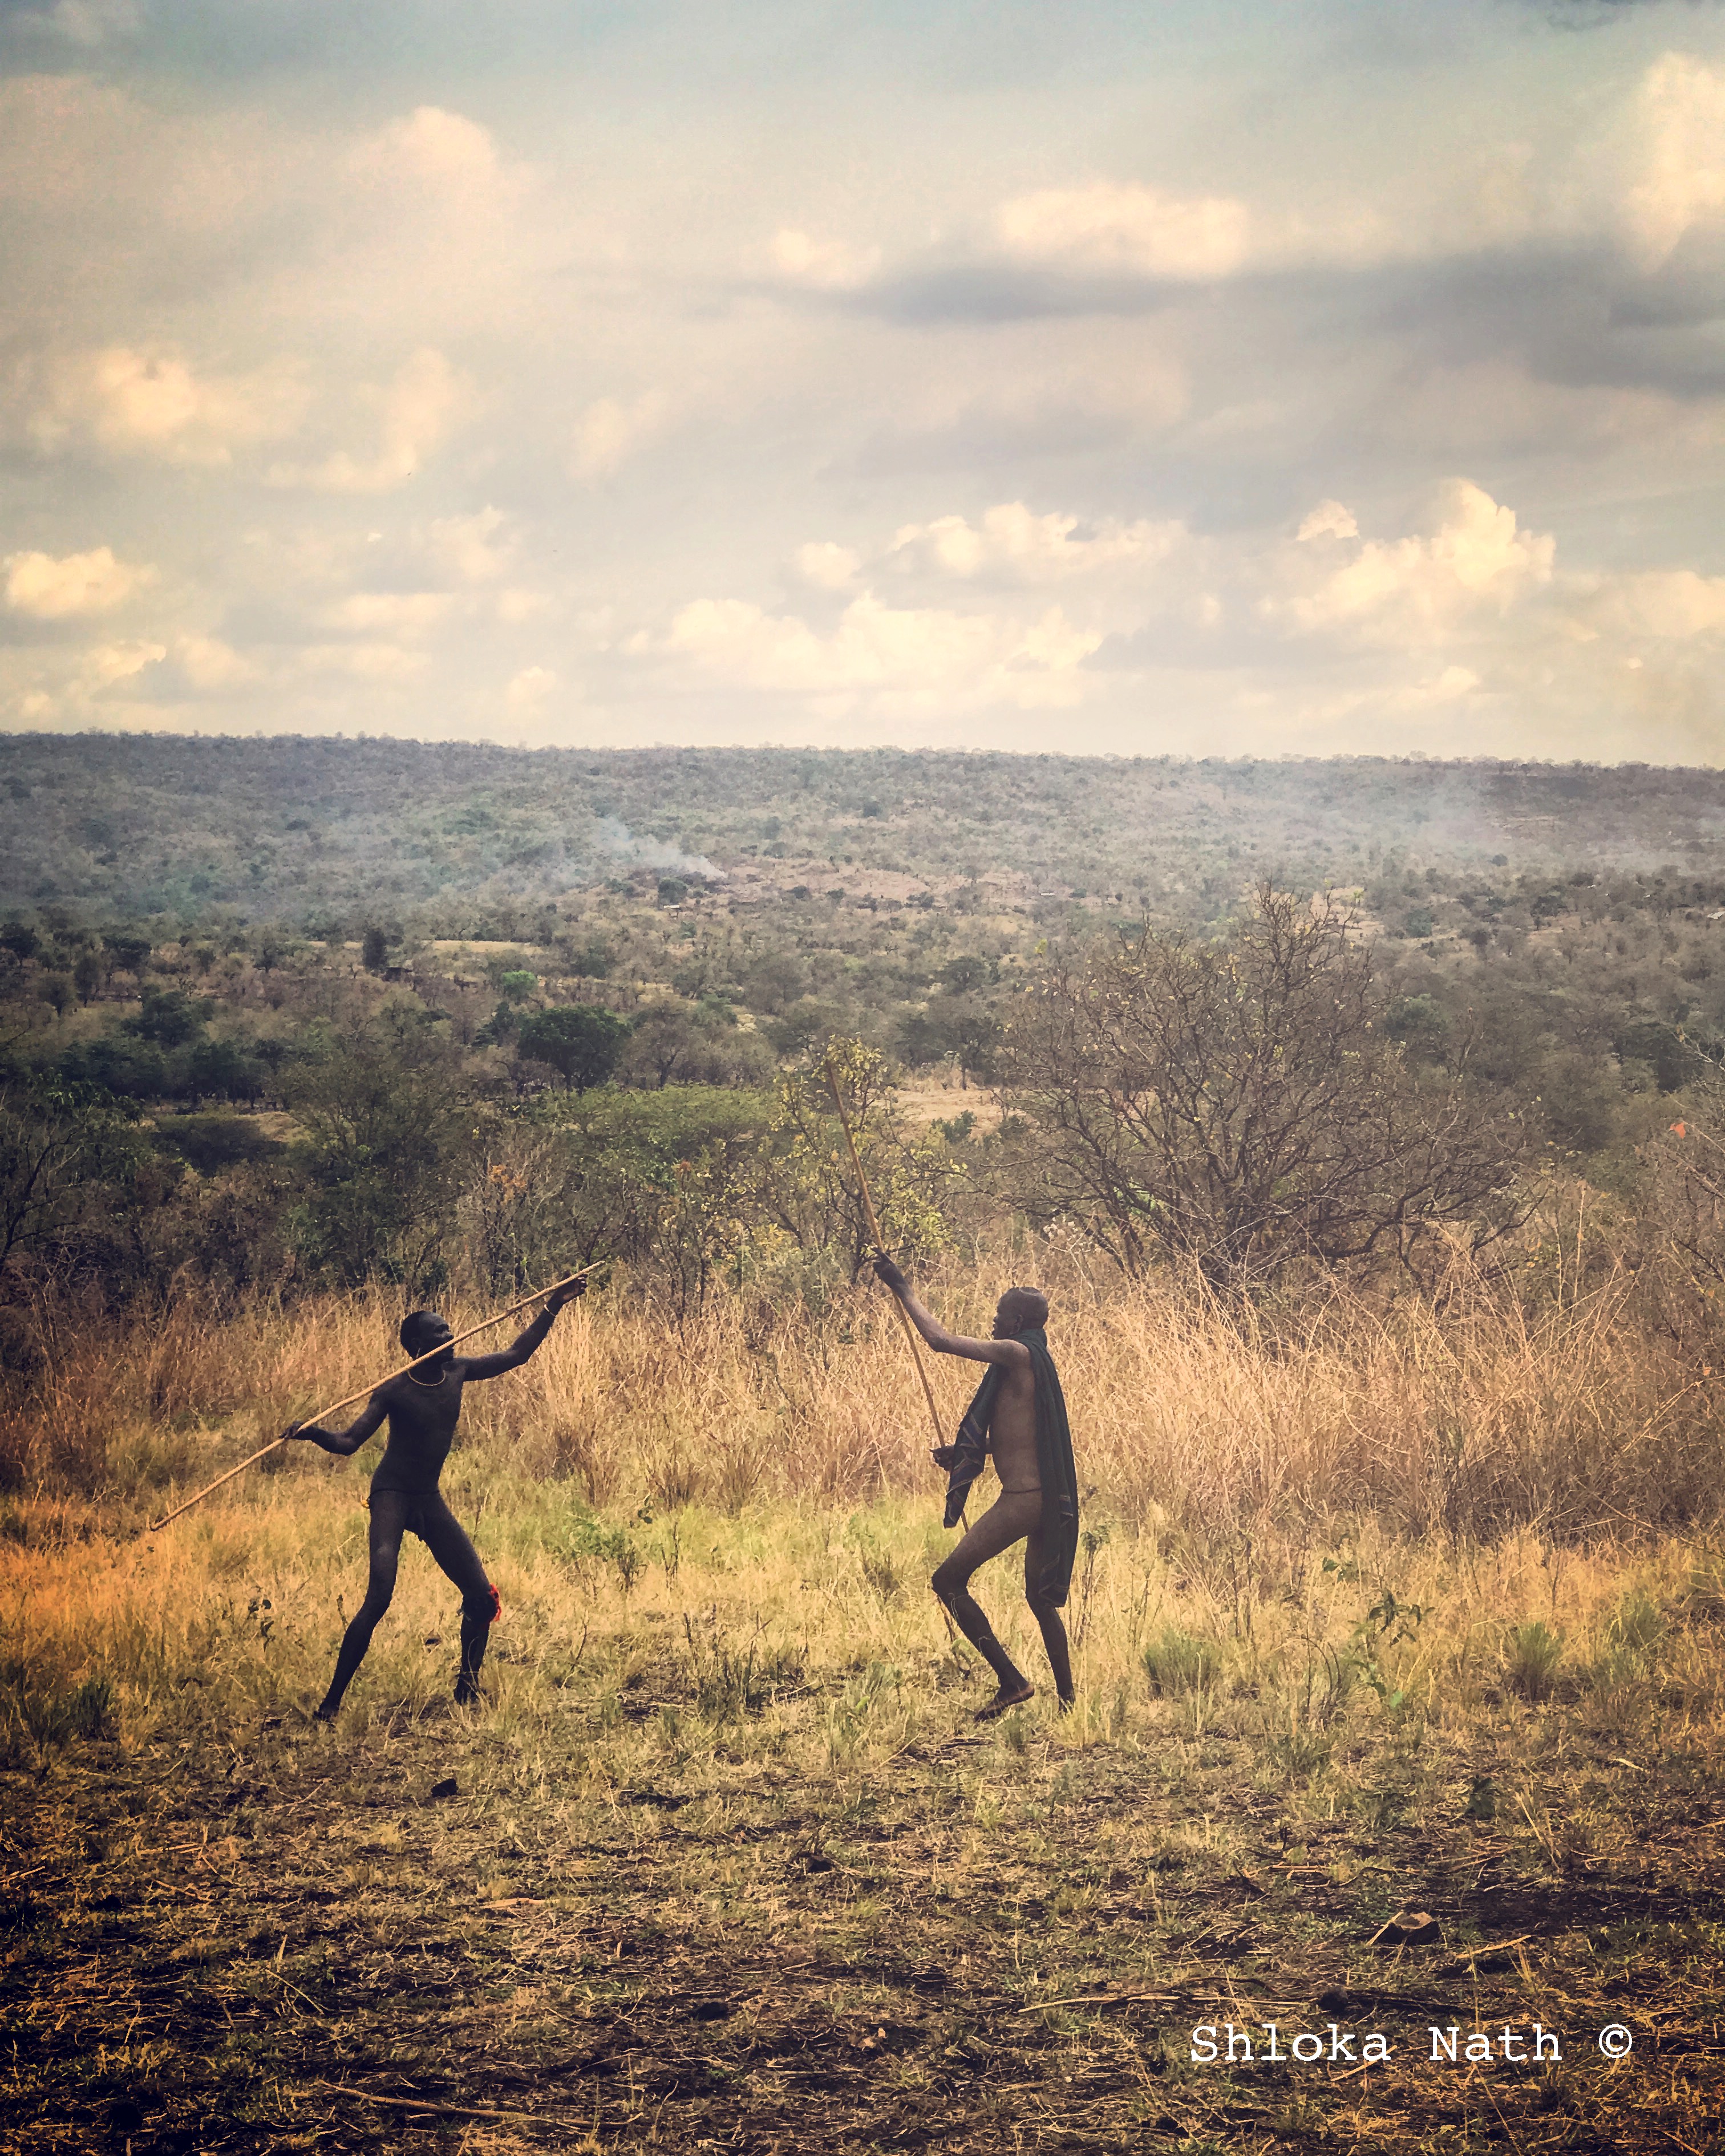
966, 1456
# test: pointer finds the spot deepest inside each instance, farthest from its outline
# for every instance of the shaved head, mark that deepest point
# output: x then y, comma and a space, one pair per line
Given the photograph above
1022, 1310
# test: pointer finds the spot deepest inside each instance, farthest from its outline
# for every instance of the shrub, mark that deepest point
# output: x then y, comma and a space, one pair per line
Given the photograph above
1177, 1662
1531, 1655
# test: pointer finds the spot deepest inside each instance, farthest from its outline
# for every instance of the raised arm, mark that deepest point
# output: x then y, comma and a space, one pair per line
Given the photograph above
512, 1357
345, 1443
1009, 1351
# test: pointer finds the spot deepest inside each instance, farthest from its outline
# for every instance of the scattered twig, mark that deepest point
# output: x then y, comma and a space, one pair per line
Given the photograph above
433, 2104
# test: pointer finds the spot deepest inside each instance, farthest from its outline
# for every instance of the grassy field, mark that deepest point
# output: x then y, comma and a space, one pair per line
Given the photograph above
1373, 1618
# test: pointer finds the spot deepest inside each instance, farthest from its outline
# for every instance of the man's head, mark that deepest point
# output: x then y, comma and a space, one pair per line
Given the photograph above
423, 1332
1020, 1309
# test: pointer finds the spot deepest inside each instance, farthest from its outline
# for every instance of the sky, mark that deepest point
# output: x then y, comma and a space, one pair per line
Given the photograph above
1249, 378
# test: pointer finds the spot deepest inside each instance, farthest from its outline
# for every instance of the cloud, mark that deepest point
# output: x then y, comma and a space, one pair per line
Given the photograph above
85, 24
1677, 130
436, 147
376, 662
1412, 590
147, 402
1670, 605
529, 689
391, 614
823, 265
1010, 543
609, 432
828, 567
1330, 519
1109, 230
417, 411
472, 549
50, 589
910, 655
109, 665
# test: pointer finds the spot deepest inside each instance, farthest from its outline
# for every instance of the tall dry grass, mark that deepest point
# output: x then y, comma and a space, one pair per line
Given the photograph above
1468, 1419
1251, 1486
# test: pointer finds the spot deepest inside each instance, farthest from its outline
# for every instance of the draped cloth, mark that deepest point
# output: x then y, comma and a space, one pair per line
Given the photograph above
965, 1458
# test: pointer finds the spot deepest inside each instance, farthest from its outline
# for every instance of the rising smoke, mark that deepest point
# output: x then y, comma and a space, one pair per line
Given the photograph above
617, 839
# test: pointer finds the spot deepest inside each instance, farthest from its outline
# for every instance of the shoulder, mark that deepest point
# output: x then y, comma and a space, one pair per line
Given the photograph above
1015, 1355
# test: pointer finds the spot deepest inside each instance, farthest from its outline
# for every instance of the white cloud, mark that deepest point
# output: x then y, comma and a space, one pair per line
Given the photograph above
152, 402
391, 614
519, 603
1011, 543
609, 432
470, 547
50, 589
416, 413
529, 689
1330, 519
1111, 230
829, 566
910, 655
376, 662
824, 265
110, 664
1477, 559
210, 665
1674, 605
1649, 172
432, 145
1678, 155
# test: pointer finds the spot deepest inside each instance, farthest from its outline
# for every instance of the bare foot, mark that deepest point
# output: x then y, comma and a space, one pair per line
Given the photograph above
1004, 1700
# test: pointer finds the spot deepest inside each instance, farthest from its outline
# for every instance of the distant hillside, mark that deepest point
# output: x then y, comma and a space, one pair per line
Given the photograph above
308, 830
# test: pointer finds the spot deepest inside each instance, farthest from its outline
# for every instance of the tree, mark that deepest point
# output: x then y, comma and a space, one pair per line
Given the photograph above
580, 1041
170, 1017
1237, 1104
129, 950
62, 1143
693, 1044
954, 1028
374, 949
387, 1124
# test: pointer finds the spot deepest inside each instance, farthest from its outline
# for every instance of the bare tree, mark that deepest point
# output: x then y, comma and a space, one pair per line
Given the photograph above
1236, 1104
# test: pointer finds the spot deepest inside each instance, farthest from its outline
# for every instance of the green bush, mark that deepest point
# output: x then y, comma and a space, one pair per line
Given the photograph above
1176, 1662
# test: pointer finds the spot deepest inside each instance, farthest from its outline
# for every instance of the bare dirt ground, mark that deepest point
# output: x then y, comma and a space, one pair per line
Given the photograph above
404, 1932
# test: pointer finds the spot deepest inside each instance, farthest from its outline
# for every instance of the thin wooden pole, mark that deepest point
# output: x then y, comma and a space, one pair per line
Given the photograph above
874, 1221
337, 1406
904, 1315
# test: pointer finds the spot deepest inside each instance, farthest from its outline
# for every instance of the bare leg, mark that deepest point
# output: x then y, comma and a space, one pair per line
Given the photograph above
1005, 1521
1048, 1619
447, 1539
389, 1514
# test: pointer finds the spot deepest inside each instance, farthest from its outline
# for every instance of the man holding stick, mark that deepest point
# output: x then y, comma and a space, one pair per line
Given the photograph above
1019, 1415
422, 1404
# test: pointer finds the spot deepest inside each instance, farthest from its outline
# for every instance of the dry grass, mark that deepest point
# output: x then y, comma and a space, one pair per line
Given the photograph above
1374, 1612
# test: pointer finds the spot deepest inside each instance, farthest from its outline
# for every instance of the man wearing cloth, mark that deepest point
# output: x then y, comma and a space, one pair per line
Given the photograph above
1019, 1415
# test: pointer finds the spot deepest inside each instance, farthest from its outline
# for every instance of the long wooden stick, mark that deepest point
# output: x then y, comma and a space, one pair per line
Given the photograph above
874, 1221
337, 1406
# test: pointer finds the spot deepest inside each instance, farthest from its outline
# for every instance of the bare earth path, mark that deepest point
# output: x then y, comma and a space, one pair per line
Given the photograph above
291, 1941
